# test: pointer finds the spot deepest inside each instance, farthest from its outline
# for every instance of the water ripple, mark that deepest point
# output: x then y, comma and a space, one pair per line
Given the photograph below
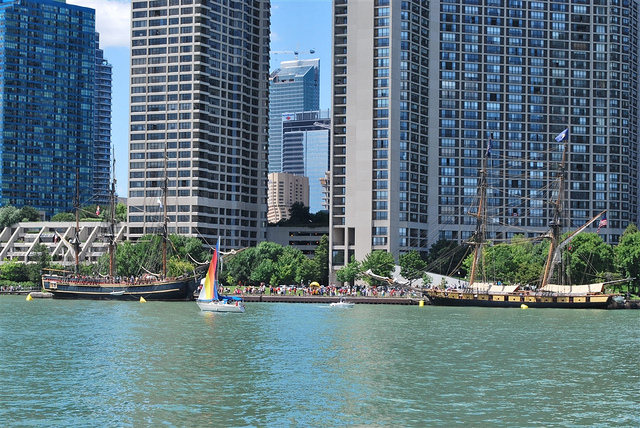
124, 364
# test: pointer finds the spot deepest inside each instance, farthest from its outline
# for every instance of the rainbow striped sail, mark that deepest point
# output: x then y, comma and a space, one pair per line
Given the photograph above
209, 290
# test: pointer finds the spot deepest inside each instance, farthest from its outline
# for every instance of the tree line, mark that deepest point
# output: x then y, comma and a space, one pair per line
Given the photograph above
587, 259
10, 215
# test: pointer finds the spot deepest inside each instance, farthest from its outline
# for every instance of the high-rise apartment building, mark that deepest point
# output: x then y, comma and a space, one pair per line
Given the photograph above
198, 127
421, 88
294, 87
48, 100
286, 189
634, 116
305, 150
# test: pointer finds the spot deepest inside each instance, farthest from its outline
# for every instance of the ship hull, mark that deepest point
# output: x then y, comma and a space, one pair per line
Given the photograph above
170, 290
602, 301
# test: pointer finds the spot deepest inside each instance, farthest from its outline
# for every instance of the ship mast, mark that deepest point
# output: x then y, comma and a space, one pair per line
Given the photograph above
479, 235
76, 238
556, 223
112, 228
165, 227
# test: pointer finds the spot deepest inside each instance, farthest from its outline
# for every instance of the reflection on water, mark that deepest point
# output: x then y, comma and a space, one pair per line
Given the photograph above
83, 363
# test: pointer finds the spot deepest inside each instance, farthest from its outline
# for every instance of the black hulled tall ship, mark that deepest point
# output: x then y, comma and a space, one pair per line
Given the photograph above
149, 286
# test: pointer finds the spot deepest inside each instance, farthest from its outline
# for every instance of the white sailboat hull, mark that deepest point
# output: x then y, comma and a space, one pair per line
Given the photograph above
221, 306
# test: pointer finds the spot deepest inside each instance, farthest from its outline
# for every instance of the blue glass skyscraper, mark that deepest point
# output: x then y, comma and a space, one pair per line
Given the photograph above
294, 87
102, 128
48, 53
305, 150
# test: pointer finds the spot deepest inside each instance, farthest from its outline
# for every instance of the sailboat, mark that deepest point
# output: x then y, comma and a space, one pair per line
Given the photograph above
547, 295
72, 285
209, 298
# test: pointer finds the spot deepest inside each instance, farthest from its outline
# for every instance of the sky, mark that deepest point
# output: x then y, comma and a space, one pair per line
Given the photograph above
296, 25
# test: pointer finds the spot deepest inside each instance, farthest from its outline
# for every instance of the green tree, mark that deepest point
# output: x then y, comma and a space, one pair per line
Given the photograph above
9, 215
40, 260
631, 229
350, 273
527, 260
187, 249
63, 217
321, 218
308, 271
127, 260
299, 214
446, 257
287, 265
145, 256
589, 258
265, 272
178, 267
412, 266
13, 270
427, 280
121, 212
237, 268
321, 259
29, 214
380, 263
627, 257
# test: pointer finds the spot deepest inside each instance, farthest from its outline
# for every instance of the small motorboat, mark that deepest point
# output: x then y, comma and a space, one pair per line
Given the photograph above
343, 303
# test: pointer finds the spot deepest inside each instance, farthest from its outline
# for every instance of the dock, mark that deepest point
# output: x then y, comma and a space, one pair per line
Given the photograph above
277, 298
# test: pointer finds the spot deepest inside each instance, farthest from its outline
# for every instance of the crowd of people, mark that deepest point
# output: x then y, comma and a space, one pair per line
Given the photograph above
87, 279
11, 288
322, 290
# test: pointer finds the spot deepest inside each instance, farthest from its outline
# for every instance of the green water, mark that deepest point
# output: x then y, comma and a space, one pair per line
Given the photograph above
130, 364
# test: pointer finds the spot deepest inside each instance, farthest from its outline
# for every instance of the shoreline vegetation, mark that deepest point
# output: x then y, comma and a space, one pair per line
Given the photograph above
519, 262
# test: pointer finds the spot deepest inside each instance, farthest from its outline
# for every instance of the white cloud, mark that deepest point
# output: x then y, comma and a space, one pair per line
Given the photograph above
113, 20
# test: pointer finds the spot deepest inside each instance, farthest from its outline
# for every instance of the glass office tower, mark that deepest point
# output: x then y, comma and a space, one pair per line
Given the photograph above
305, 150
47, 104
448, 77
102, 168
294, 87
198, 124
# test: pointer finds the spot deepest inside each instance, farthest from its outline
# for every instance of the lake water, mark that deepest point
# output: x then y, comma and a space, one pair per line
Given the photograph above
129, 364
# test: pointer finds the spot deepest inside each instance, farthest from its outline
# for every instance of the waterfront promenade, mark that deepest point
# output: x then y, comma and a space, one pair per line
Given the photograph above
278, 298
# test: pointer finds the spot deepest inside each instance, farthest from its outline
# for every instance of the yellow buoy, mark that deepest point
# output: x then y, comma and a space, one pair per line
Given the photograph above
29, 297
421, 303
142, 300
523, 306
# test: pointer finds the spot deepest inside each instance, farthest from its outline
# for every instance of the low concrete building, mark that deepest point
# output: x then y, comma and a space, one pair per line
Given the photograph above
18, 242
306, 239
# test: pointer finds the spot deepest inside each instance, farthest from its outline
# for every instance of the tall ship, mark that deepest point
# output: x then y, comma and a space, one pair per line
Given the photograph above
552, 292
150, 286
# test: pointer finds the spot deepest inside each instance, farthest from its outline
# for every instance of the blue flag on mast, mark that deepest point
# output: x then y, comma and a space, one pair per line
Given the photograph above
561, 136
